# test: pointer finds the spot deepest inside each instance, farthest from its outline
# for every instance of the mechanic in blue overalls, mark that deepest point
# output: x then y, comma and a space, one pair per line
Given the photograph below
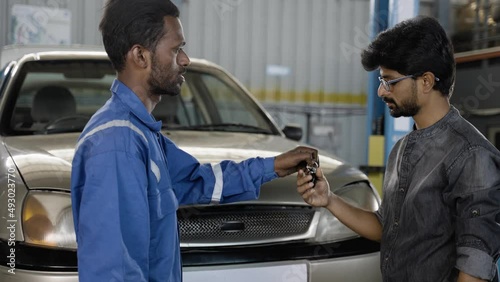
128, 179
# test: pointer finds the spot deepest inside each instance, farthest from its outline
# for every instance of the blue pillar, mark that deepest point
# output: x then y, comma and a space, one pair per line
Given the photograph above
384, 14
379, 19
394, 129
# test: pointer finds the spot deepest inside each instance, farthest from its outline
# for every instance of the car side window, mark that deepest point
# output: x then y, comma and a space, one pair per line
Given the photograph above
3, 76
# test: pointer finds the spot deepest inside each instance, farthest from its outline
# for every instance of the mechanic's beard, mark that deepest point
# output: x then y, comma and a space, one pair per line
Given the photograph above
161, 85
407, 108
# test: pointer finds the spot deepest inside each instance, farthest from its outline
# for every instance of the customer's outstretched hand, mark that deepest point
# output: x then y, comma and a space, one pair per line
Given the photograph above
316, 195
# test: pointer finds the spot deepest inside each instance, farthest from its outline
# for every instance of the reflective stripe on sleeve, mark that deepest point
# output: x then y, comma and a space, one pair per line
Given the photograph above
156, 171
219, 182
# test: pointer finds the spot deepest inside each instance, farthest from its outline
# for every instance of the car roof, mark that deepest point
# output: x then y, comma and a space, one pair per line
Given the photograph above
15, 52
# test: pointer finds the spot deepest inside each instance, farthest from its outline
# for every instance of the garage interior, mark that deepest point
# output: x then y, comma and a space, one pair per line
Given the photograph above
301, 59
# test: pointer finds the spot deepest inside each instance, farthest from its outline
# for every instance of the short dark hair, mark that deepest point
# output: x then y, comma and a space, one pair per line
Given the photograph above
413, 47
129, 22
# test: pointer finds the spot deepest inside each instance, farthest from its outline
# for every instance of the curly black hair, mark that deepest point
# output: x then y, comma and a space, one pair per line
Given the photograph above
413, 47
129, 22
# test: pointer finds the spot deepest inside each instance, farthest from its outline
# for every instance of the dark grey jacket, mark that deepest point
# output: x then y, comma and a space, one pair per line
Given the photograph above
441, 204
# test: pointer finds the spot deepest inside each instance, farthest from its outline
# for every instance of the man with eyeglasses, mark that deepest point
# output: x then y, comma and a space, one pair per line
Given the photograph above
440, 216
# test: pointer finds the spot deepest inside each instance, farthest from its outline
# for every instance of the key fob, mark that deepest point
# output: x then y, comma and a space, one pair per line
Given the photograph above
311, 169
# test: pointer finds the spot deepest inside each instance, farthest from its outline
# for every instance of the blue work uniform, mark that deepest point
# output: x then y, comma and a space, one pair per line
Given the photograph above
126, 185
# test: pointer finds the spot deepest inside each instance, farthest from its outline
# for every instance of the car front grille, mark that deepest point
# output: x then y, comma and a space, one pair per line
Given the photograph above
243, 224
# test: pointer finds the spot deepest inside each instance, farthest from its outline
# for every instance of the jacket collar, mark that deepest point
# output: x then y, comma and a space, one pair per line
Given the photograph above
132, 101
438, 126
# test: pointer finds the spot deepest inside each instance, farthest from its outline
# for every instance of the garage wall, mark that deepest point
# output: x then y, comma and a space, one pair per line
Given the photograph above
313, 46
301, 59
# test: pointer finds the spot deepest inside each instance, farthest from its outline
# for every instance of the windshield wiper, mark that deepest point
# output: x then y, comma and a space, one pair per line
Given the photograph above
228, 127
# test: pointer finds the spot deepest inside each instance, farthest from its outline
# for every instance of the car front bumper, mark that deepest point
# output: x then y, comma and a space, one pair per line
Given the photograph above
358, 268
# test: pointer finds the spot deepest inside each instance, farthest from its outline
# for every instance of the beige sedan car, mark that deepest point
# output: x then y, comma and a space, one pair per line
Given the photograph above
47, 96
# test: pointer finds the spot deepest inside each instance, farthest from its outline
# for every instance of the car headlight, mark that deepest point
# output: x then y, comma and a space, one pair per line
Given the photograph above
47, 220
329, 228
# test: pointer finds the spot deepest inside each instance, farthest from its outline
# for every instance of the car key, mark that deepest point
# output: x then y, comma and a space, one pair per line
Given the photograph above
311, 169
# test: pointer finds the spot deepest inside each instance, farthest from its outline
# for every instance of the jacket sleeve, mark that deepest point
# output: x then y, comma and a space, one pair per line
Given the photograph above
477, 198
225, 182
109, 195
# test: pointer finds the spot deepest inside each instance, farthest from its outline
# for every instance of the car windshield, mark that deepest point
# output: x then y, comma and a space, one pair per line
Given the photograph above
211, 102
60, 96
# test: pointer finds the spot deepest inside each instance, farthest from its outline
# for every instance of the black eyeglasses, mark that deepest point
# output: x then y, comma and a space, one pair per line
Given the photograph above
387, 84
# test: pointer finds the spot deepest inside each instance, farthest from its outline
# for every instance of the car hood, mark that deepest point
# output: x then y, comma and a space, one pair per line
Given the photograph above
44, 161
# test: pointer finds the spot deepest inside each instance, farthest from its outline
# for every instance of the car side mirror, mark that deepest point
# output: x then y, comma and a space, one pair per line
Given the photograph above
293, 131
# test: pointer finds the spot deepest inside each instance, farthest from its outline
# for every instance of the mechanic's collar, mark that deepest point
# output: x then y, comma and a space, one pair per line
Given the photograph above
129, 98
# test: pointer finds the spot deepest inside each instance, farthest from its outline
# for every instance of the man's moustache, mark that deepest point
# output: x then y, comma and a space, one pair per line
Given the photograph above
388, 100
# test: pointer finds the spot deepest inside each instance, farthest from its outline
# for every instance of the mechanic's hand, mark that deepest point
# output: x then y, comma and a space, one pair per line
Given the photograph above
318, 196
293, 160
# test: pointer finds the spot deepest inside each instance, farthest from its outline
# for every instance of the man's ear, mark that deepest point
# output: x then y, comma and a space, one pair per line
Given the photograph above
429, 80
140, 56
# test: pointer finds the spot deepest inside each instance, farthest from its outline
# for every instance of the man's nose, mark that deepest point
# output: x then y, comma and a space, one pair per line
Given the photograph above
381, 92
184, 59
